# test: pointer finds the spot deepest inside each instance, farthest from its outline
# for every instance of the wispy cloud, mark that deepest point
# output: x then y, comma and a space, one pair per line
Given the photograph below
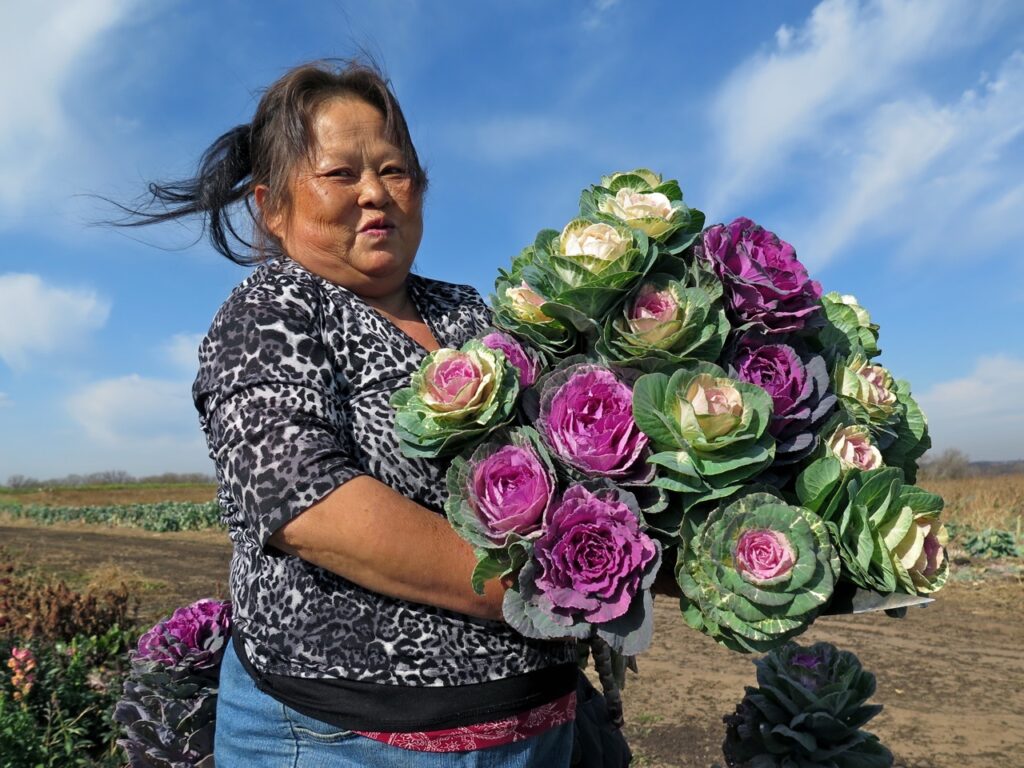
183, 351
920, 163
509, 139
42, 46
977, 413
5, 401
134, 409
37, 318
595, 16
846, 56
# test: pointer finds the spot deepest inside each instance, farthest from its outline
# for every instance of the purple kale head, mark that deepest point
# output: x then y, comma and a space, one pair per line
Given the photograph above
526, 360
766, 286
593, 559
798, 385
196, 633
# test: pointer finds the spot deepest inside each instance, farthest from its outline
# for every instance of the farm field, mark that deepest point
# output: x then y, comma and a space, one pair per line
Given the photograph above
948, 674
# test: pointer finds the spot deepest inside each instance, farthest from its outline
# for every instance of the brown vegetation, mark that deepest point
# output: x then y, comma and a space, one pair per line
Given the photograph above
982, 502
38, 606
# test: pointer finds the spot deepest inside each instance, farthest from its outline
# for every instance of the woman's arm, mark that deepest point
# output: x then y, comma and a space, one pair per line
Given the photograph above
377, 538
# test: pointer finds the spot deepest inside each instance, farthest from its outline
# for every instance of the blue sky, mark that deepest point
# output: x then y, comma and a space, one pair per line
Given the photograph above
883, 139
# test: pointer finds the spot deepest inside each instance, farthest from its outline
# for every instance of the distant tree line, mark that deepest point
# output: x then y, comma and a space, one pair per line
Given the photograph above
109, 477
953, 464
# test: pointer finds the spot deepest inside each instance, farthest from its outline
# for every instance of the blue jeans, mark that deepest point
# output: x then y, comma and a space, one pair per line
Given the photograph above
254, 730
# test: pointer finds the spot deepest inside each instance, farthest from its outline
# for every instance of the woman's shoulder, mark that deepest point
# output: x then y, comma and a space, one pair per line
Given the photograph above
274, 285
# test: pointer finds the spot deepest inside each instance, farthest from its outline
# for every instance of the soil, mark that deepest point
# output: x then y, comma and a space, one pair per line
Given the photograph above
949, 675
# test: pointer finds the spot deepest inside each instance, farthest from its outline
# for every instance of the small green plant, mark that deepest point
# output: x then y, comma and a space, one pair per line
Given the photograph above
991, 543
57, 700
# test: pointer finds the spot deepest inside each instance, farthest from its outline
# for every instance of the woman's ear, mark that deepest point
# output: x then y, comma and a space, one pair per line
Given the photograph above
272, 220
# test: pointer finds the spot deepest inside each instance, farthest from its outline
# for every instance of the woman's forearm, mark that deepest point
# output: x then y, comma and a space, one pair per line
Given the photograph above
379, 539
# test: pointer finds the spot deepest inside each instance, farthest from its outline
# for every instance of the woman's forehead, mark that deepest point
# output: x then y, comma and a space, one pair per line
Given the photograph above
347, 124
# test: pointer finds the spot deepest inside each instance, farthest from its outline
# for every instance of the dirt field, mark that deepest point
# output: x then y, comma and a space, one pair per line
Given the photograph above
949, 675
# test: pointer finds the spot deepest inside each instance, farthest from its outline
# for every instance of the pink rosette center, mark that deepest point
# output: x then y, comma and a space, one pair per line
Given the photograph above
453, 381
763, 556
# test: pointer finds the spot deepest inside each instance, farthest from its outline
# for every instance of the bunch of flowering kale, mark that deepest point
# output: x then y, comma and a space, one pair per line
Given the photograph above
654, 390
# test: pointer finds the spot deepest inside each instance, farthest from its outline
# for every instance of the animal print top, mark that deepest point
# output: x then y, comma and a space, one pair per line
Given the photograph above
293, 387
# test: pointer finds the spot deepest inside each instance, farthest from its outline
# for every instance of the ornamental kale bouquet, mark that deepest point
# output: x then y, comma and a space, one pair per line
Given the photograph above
169, 704
807, 712
657, 387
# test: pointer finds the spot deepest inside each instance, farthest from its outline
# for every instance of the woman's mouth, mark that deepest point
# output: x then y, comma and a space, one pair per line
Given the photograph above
376, 228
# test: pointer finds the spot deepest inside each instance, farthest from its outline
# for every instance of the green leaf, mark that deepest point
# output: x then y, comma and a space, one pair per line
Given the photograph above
488, 565
816, 483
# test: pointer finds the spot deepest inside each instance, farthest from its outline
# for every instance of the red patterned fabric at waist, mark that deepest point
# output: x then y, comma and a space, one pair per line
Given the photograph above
524, 725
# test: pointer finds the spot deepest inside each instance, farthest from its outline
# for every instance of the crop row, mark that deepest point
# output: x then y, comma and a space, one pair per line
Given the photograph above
162, 517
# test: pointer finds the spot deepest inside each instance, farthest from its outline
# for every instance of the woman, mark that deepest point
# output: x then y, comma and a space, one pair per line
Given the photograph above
358, 640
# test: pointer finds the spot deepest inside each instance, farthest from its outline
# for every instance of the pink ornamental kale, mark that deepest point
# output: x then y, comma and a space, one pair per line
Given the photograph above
766, 286
509, 490
525, 359
586, 417
593, 558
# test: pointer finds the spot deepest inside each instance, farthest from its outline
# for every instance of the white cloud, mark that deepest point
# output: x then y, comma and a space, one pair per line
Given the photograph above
183, 352
42, 46
513, 138
919, 163
135, 410
846, 56
5, 401
37, 318
979, 413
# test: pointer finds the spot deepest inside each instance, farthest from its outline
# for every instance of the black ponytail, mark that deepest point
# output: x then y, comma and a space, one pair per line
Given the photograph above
221, 182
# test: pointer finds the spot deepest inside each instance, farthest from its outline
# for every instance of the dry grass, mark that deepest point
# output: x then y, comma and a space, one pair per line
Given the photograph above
99, 496
983, 502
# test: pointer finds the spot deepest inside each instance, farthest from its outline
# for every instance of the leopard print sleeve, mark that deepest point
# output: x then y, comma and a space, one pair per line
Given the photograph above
268, 396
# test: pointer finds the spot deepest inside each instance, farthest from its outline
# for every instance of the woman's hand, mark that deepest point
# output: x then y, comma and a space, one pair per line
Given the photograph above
370, 534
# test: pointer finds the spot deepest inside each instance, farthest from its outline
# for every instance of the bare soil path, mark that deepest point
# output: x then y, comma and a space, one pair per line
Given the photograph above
950, 675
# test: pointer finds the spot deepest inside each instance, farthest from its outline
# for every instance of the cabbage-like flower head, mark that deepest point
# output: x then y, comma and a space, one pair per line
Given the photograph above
586, 419
591, 571
527, 360
807, 711
867, 391
502, 491
853, 447
766, 286
643, 201
710, 431
196, 632
798, 383
454, 400
755, 572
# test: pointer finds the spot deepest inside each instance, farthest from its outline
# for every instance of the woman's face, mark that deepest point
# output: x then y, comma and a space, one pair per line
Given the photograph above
355, 217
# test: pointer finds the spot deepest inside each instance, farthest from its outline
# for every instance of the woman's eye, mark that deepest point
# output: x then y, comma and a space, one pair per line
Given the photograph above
392, 170
340, 173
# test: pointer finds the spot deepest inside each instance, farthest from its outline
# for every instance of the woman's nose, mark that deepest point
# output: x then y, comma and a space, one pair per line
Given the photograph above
372, 192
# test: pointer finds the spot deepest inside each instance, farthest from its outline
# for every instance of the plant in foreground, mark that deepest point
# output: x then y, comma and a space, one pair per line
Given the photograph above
170, 696
807, 712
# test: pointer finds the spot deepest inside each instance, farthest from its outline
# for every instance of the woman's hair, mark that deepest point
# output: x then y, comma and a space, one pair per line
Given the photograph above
266, 151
